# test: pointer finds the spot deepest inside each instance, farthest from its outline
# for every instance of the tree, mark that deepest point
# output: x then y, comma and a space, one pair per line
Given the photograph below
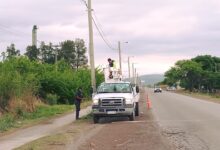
191, 74
12, 52
32, 52
211, 68
81, 59
217, 63
47, 53
207, 62
68, 52
72, 52
188, 72
172, 76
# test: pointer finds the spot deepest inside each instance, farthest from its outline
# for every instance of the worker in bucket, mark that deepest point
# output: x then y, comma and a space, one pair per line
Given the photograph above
111, 67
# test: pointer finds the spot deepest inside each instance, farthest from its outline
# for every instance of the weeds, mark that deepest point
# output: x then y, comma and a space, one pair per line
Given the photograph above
42, 111
6, 121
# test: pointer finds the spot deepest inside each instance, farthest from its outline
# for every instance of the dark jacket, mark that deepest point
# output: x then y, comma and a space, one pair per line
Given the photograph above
79, 96
111, 63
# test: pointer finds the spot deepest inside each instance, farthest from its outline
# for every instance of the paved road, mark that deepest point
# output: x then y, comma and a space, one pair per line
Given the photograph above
187, 122
23, 136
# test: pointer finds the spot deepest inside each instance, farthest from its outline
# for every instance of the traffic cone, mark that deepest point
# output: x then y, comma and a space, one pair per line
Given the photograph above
149, 104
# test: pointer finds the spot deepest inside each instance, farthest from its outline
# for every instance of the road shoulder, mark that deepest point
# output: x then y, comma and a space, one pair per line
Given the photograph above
110, 134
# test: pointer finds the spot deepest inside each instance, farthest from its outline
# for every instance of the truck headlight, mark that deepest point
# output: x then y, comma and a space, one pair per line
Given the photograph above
128, 101
96, 102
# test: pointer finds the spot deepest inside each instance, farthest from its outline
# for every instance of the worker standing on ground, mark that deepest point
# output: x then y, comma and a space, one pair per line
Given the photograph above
78, 99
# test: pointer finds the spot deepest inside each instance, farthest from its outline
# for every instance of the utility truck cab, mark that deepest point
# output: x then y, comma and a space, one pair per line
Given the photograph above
115, 98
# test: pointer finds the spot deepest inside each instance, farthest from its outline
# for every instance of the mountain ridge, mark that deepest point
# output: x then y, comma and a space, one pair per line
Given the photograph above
151, 79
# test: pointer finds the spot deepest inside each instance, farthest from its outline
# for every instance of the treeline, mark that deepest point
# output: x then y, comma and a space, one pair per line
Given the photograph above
49, 74
73, 52
201, 73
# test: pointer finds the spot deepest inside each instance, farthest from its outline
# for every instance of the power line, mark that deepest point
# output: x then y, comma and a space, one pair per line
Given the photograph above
13, 35
84, 2
101, 29
98, 27
101, 35
12, 31
8, 31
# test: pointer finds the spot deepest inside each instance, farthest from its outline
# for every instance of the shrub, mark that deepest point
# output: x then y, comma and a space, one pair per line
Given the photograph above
51, 99
22, 80
23, 104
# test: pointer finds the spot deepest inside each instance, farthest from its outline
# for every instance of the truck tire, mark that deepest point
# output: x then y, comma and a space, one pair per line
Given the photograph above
132, 116
95, 119
137, 109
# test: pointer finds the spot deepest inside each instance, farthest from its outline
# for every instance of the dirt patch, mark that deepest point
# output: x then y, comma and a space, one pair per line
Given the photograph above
63, 138
143, 133
127, 136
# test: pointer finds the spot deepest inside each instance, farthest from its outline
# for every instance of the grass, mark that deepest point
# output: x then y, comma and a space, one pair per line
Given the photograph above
6, 121
9, 122
203, 96
48, 142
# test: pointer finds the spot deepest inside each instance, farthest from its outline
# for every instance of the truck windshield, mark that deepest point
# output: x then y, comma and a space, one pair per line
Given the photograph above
114, 88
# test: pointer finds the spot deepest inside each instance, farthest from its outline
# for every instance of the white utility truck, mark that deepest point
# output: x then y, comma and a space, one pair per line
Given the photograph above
115, 97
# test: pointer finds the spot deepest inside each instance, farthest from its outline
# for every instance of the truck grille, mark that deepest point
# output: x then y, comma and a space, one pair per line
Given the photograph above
112, 102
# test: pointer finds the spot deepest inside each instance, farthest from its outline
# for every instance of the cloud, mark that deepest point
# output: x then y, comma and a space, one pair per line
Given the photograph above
159, 32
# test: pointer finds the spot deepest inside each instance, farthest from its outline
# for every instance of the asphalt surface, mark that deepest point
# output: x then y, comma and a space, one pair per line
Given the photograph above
24, 136
188, 123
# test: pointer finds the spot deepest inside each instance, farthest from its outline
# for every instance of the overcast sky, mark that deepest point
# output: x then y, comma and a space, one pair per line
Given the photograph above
158, 32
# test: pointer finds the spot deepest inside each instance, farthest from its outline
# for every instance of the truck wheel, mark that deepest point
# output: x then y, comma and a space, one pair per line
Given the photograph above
95, 119
137, 109
132, 116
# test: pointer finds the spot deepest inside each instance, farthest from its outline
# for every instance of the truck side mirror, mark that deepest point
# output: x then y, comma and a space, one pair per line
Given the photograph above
137, 89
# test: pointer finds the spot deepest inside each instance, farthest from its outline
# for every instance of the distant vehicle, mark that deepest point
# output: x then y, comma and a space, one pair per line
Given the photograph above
171, 88
157, 90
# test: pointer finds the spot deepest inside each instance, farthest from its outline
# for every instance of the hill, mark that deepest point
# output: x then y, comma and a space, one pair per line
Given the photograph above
151, 79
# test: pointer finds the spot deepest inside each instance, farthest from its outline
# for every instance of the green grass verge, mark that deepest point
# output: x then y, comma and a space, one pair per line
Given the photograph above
43, 112
6, 121
204, 96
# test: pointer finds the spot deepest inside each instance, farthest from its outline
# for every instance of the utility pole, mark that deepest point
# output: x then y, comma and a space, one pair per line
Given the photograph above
129, 68
91, 47
129, 74
56, 53
133, 73
34, 36
135, 76
3, 56
119, 50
